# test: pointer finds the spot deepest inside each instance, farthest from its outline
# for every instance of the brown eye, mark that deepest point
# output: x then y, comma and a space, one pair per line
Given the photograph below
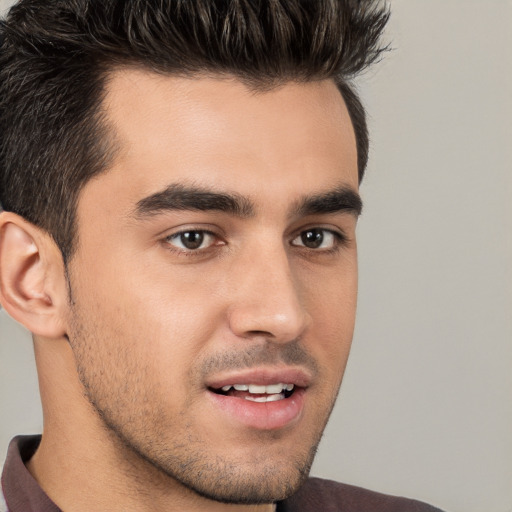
312, 238
191, 240
316, 238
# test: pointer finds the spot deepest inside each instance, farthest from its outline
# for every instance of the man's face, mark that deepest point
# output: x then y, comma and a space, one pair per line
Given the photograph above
214, 284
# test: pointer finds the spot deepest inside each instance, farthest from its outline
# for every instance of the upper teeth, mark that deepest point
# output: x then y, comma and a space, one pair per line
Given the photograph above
257, 389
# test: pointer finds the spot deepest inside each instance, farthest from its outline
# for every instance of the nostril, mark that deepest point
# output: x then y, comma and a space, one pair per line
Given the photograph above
263, 334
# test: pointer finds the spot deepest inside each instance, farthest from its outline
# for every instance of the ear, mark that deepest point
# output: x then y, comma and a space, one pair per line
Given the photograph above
33, 286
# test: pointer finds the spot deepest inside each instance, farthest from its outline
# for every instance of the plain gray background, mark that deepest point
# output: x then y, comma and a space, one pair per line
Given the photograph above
425, 409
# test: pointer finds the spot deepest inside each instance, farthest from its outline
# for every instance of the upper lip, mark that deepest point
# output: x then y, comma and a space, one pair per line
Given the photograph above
262, 376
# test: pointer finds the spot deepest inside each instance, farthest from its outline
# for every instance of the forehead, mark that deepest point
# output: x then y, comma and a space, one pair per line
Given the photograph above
223, 134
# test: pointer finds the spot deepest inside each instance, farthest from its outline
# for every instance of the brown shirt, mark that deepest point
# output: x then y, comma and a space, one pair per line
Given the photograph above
23, 494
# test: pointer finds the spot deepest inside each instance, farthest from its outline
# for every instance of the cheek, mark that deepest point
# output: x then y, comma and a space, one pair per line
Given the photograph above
332, 305
152, 305
133, 350
331, 297
132, 365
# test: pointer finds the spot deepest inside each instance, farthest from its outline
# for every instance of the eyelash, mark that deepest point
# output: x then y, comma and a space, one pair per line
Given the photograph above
339, 240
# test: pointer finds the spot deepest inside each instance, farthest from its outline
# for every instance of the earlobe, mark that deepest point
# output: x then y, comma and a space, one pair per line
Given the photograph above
32, 280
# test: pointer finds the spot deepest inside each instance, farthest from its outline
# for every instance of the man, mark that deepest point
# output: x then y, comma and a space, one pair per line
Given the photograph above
180, 183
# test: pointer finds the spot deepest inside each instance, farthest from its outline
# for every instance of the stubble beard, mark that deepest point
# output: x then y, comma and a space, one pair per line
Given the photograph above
219, 480
139, 437
214, 479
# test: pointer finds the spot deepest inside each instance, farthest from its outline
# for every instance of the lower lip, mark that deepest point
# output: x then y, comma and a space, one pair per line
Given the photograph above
261, 415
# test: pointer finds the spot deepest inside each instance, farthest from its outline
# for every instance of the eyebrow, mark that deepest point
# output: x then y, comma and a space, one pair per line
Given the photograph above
341, 199
181, 197
192, 198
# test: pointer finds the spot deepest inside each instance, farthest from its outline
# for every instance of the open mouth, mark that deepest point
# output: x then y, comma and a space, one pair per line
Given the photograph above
257, 392
260, 400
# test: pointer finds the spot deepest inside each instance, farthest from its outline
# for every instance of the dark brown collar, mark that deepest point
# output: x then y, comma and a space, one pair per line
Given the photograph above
22, 493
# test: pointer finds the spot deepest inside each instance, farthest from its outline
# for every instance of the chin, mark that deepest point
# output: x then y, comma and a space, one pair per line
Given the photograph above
257, 479
251, 487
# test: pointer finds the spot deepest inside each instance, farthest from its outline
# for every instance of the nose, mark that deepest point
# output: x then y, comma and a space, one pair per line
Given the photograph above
268, 299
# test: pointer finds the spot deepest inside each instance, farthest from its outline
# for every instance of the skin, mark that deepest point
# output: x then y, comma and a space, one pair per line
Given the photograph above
128, 343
